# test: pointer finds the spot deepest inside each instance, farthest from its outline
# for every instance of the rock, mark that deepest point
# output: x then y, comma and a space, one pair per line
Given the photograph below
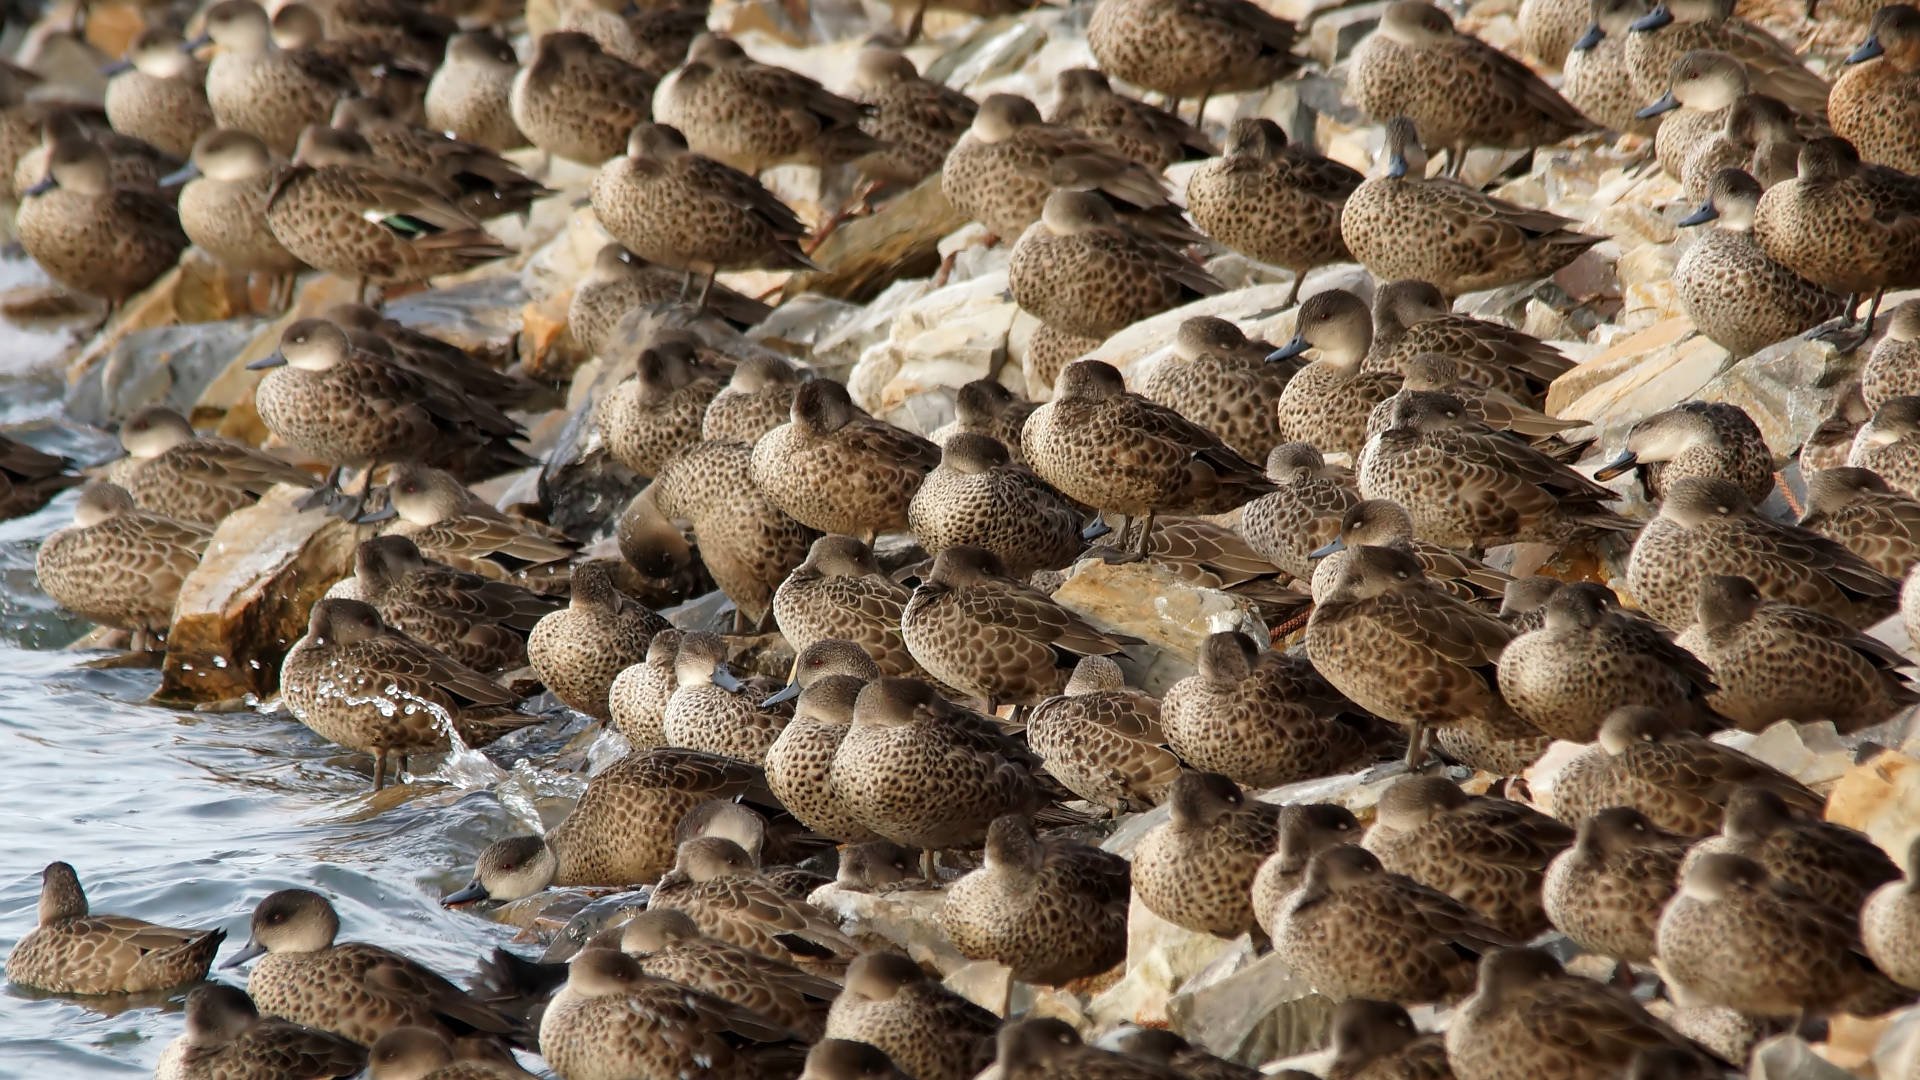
1881, 797
1161, 957
1336, 31
1259, 309
246, 603
1788, 388
1173, 624
1249, 1009
1789, 1057
910, 918
830, 333
900, 240
938, 342
1639, 374
171, 365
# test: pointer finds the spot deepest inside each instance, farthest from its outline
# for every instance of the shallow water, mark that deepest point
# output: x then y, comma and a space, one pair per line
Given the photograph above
189, 819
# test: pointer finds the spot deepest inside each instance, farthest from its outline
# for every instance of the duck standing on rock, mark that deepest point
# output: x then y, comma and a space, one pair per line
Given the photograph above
223, 207
92, 234
574, 101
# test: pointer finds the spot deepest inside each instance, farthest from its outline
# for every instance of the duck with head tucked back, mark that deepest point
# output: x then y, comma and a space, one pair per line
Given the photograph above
1306, 829
1052, 910
1217, 378
753, 116
119, 565
1875, 104
978, 496
1606, 891
1084, 99
579, 649
836, 469
469, 96
916, 120
1196, 869
573, 100
227, 1039
90, 233
1411, 318
1081, 270
891, 1003
1859, 509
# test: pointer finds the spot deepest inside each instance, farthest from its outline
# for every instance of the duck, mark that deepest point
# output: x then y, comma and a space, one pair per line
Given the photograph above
1163, 1047
931, 1032
1732, 290
652, 38
1887, 922
158, 94
1411, 318
470, 96
757, 398
829, 674
411, 1053
477, 621
1872, 104
1827, 861
118, 565
1084, 99
30, 478
977, 496
1889, 444
1261, 718
1401, 224
90, 233
839, 592
451, 524
1377, 1040
472, 372
1431, 372
1122, 454
1103, 740
844, 1059
482, 182
254, 86
1273, 200
718, 886
1354, 929
1327, 403
1053, 911
1191, 50
574, 101
1528, 1016
620, 832
639, 694
1523, 605
369, 687
579, 649
223, 207
1385, 523
973, 627
1214, 376
1758, 136
835, 469
1551, 676
711, 709
1606, 892
1306, 829
1489, 853
1366, 634
1047, 354
172, 469
386, 67
752, 116
226, 1038
669, 945
1044, 1048
1708, 526
1676, 27
1680, 781
70, 950
1700, 92
1776, 661
358, 991
1080, 270
656, 412
1460, 90
1598, 81
1714, 440
1304, 513
915, 120
1196, 868
1859, 509
1893, 368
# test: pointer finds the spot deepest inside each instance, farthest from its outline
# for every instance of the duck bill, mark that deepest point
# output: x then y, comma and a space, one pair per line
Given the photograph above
1592, 37
1868, 50
118, 67
1290, 350
1618, 466
196, 44
181, 175
1099, 527
1396, 166
45, 185
726, 680
271, 360
473, 893
1321, 552
382, 514
785, 693
252, 950
1706, 213
1667, 103
1652, 20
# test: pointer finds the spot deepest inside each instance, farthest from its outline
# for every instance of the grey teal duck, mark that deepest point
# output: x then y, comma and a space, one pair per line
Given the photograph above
669, 945
574, 101
839, 592
1411, 318
1708, 526
1218, 379
477, 621
1384, 523
1191, 48
1674, 28
1775, 661
1832, 438
1735, 936
30, 478
1103, 741
1272, 200
1890, 924
1755, 137
1732, 290
1524, 605
1889, 444
757, 398
1303, 515
652, 37
1211, 556
91, 234
131, 162
1043, 1048
1875, 522
481, 181
223, 206
828, 677
1460, 90
1529, 1017
226, 1038
1401, 224
1489, 853
1164, 1047
753, 116
657, 411
1376, 1040
172, 469
1081, 270
1893, 368
717, 885
836, 469
1261, 718
979, 497
449, 523
1120, 453
1306, 829
119, 565
973, 627
411, 1053
470, 94
371, 688
158, 93
986, 407
621, 830
358, 991
1196, 868
1875, 104
1048, 353
379, 69
1467, 486
73, 951
1711, 439
1598, 81
1353, 929
1589, 658
1496, 409
924, 773
1680, 781
1052, 910
916, 120
1607, 890
1084, 99
579, 649
470, 372
639, 694
713, 710
1827, 861
1327, 403
1410, 652
257, 87
930, 1031
1701, 88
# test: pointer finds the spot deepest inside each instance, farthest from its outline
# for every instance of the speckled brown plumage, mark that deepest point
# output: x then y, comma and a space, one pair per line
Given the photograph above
1327, 403
470, 94
1306, 829
475, 620
1598, 81
91, 234
1411, 318
1263, 719
1103, 741
715, 883
1048, 353
1843, 224
1827, 861
1384, 523
1674, 29
927, 1029
1052, 910
828, 677
1606, 891
1858, 508
753, 116
161, 97
1218, 379
916, 120
227, 1039
755, 400
477, 178
580, 648
1893, 368
1680, 781
986, 407
713, 711
266, 91
1085, 100
1191, 48
1081, 270
1496, 409
638, 696
575, 101
1889, 444
451, 524
223, 210
1875, 103
1376, 1040
835, 469
839, 592
118, 565
656, 412
1730, 288
72, 951
977, 496
1712, 439
1287, 525
1707, 527
173, 470
1196, 869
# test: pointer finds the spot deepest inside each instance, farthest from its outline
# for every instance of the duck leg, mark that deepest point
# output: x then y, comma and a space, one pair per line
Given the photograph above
322, 495
1293, 294
1416, 744
701, 304
379, 768
1146, 531
914, 24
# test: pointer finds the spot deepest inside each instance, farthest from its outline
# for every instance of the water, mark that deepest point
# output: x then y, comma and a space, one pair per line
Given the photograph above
189, 819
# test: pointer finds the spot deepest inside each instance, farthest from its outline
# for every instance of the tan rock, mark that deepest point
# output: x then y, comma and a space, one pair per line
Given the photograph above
1881, 797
